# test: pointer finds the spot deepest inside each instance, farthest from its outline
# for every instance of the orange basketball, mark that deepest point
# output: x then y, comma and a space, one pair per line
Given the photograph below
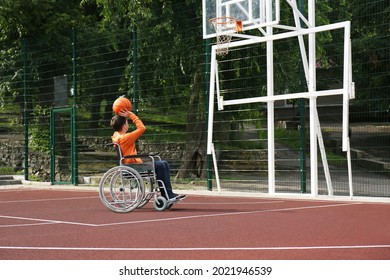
120, 104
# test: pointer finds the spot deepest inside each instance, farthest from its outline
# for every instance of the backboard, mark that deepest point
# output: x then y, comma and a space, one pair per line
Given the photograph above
253, 13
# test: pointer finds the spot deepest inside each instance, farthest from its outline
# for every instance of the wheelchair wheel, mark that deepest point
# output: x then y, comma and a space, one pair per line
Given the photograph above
121, 189
160, 203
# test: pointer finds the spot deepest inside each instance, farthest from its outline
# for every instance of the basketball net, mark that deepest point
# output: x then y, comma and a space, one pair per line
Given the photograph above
222, 26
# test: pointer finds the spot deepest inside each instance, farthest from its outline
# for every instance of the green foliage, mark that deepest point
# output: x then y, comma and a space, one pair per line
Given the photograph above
39, 130
170, 53
45, 27
288, 137
371, 56
160, 26
11, 73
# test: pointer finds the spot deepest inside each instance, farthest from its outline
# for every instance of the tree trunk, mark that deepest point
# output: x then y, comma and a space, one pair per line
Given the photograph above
194, 156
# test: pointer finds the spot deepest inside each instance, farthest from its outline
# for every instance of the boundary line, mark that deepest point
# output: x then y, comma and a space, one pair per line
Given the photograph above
48, 199
46, 221
27, 225
326, 247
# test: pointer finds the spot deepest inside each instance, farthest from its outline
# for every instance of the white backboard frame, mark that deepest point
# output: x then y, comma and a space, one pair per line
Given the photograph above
254, 14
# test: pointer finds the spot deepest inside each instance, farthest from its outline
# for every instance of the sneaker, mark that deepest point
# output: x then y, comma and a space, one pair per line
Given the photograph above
177, 197
180, 196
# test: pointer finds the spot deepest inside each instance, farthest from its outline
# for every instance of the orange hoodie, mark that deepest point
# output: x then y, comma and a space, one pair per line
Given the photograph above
127, 140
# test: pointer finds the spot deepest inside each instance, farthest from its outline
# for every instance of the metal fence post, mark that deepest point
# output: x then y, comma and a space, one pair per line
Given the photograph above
25, 111
73, 120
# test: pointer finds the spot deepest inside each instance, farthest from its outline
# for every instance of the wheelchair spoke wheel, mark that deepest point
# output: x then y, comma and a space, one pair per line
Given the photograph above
121, 189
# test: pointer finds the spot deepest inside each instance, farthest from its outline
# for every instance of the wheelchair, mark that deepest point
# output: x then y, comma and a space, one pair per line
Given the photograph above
127, 187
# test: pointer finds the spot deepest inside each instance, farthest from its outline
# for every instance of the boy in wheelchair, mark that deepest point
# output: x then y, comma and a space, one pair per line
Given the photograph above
126, 141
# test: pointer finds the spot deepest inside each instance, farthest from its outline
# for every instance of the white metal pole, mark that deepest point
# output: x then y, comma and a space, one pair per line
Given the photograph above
219, 96
282, 97
211, 99
312, 103
210, 145
347, 84
349, 170
323, 157
348, 93
215, 168
284, 35
270, 105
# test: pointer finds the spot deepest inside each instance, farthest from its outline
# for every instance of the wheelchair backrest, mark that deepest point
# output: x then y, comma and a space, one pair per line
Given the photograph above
118, 152
145, 168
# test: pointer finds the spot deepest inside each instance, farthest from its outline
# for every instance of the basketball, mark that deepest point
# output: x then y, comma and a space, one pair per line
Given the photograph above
120, 104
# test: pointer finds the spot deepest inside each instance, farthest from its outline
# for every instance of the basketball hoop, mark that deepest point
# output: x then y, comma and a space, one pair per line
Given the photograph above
224, 28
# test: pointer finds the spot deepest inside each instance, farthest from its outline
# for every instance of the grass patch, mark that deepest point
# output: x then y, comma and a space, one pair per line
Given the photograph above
7, 171
291, 138
336, 159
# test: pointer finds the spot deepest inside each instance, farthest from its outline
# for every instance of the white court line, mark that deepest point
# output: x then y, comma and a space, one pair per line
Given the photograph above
47, 221
49, 199
326, 247
231, 203
180, 218
27, 225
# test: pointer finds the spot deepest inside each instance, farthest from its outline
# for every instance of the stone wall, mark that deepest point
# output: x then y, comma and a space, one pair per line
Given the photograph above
12, 154
165, 150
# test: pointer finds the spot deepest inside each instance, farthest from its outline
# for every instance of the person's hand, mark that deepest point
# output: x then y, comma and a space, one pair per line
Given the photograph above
124, 113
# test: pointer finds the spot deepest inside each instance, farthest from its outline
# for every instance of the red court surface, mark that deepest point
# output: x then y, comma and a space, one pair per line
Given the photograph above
72, 225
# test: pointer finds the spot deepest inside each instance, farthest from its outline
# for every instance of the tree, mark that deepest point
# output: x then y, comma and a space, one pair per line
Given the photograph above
46, 26
371, 55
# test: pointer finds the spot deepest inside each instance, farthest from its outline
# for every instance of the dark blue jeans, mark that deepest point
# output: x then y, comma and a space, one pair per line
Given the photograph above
163, 174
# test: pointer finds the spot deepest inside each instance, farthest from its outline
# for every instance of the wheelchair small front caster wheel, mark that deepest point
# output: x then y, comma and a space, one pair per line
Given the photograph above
160, 203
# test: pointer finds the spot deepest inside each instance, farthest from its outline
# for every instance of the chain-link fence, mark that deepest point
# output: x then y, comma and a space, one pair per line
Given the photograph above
57, 127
